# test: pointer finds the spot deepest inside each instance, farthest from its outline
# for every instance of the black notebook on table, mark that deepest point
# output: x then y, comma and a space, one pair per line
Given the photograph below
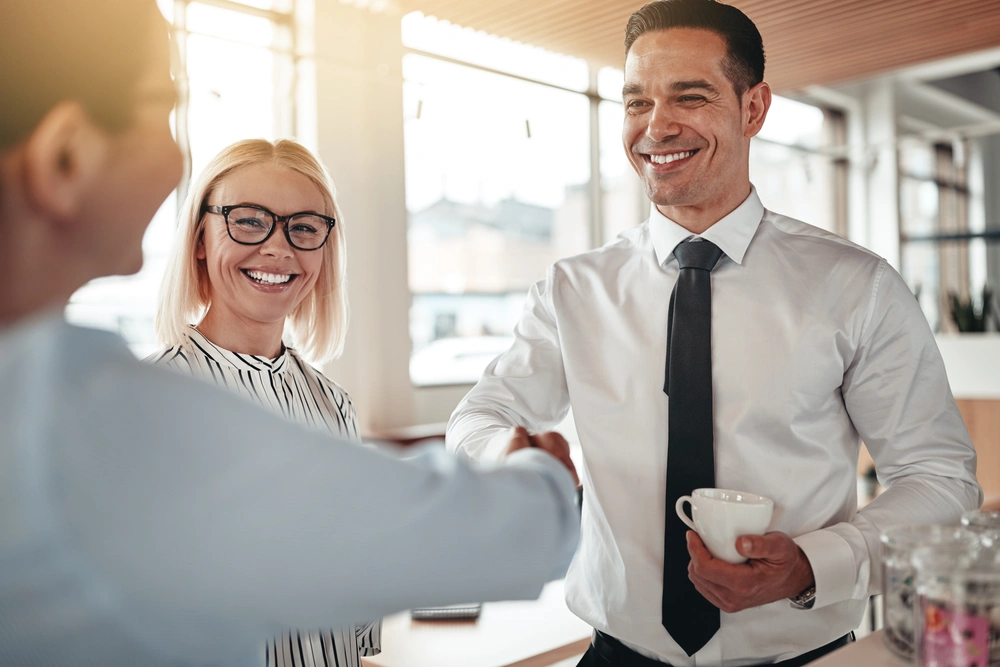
455, 612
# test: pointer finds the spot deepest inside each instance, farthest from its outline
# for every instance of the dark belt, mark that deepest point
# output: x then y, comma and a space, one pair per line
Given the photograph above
619, 655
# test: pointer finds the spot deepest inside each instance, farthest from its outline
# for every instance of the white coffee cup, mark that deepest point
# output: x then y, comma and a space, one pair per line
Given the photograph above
722, 515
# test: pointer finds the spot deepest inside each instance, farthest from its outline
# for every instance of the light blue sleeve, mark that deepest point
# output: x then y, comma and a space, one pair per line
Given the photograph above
181, 502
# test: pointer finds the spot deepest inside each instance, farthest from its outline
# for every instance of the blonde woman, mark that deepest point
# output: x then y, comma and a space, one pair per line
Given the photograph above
256, 275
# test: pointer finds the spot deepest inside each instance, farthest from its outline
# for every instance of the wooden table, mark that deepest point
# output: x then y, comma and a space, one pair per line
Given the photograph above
867, 652
536, 633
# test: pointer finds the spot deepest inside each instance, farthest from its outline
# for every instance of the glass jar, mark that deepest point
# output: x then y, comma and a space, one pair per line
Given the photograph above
898, 546
957, 609
985, 524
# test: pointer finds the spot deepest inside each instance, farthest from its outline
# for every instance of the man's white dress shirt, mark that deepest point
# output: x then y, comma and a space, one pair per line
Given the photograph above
146, 517
817, 344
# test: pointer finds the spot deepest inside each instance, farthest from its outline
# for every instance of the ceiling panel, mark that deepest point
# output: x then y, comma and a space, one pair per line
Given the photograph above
806, 41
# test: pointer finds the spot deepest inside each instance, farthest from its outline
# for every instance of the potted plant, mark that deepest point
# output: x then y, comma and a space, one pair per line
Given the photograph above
969, 316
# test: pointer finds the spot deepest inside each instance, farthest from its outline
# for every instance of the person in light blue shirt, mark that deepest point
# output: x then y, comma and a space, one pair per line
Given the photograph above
144, 515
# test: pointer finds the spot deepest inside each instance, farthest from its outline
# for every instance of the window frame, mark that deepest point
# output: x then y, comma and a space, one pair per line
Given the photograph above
835, 129
595, 227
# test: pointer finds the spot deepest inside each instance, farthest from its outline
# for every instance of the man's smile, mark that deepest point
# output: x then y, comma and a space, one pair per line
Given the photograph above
663, 162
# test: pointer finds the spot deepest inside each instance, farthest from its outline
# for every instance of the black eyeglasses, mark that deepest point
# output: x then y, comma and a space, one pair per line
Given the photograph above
250, 224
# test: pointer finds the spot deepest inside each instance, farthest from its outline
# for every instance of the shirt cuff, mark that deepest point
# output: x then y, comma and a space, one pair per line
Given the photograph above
832, 561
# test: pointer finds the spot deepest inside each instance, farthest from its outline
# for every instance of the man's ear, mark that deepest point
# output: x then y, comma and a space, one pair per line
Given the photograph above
756, 102
62, 157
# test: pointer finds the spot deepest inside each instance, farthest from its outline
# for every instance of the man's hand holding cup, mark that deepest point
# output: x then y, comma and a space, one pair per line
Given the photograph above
735, 563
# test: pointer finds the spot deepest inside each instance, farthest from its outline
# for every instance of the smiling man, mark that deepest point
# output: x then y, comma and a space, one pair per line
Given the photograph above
688, 126
146, 518
720, 344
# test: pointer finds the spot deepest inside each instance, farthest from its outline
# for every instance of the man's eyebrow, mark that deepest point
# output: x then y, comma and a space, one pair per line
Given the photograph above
631, 89
677, 87
682, 86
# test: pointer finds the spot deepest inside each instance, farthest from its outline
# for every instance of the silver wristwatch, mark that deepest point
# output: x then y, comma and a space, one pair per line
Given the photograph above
804, 600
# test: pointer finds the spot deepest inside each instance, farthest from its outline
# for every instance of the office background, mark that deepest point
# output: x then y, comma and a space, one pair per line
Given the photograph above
473, 143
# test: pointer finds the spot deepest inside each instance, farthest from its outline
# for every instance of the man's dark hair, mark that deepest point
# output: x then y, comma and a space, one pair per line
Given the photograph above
90, 51
744, 65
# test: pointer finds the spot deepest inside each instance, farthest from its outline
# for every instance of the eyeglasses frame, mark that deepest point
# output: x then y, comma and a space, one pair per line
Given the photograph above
224, 212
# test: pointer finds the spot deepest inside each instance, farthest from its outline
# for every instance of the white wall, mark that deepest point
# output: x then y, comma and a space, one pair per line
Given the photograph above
972, 361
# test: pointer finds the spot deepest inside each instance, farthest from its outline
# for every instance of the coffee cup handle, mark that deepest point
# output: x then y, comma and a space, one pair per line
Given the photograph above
679, 506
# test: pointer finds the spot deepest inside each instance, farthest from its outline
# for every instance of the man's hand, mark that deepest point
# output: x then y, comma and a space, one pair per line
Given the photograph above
551, 442
777, 569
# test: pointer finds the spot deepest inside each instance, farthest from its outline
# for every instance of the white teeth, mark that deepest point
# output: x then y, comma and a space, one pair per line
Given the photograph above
664, 159
268, 278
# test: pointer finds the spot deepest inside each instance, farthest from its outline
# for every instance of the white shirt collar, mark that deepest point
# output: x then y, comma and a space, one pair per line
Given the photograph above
732, 233
240, 362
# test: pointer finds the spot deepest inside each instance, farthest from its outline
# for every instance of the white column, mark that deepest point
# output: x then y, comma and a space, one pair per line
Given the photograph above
883, 176
359, 99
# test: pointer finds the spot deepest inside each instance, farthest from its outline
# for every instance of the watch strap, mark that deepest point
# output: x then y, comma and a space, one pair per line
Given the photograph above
804, 600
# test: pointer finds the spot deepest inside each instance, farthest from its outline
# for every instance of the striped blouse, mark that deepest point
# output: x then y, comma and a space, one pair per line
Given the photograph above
292, 388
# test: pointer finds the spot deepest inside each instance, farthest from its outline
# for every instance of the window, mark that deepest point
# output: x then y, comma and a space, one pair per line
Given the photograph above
238, 68
497, 189
791, 168
943, 241
427, 34
502, 145
623, 200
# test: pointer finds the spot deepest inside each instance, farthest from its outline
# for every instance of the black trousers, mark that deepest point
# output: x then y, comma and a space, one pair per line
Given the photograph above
606, 651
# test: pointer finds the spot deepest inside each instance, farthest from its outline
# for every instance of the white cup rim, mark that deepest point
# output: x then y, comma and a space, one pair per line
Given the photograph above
732, 496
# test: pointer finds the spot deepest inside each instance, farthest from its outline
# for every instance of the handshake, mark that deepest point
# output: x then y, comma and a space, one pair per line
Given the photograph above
550, 441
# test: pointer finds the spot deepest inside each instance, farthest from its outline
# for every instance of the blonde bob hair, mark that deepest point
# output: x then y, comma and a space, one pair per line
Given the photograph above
318, 325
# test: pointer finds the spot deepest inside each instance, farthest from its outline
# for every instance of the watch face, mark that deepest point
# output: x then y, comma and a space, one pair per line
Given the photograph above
806, 598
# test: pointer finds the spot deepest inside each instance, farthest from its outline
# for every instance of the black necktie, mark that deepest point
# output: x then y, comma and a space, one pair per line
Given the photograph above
690, 619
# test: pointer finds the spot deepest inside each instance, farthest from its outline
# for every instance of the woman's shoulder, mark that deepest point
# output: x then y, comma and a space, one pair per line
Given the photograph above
340, 412
183, 355
174, 355
317, 375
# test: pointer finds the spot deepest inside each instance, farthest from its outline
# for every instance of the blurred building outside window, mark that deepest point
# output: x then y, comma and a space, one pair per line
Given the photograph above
237, 75
501, 141
498, 165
